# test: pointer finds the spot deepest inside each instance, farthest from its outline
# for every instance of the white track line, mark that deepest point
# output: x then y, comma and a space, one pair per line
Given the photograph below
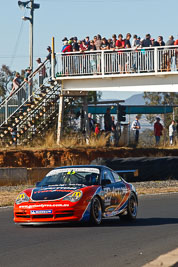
165, 260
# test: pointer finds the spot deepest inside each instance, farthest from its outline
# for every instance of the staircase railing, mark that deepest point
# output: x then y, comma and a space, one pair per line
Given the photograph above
34, 116
24, 93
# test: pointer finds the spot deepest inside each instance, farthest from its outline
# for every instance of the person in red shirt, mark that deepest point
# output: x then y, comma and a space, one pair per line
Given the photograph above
120, 43
83, 47
67, 47
158, 128
176, 53
97, 129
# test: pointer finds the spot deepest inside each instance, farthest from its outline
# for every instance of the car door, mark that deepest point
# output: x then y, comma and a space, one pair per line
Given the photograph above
114, 192
120, 187
109, 197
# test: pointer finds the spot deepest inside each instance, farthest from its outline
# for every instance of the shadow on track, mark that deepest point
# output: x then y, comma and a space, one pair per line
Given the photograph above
114, 222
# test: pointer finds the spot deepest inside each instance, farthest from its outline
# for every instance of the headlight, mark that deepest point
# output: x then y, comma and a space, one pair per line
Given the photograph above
74, 197
22, 198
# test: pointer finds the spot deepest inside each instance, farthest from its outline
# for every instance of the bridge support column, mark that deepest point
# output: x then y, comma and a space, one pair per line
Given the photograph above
85, 109
60, 119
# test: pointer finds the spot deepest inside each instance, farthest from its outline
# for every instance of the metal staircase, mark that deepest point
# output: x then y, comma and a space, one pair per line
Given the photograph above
29, 112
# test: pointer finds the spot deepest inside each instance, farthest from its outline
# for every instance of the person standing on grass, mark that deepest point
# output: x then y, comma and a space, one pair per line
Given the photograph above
97, 130
136, 128
92, 123
158, 128
172, 131
107, 121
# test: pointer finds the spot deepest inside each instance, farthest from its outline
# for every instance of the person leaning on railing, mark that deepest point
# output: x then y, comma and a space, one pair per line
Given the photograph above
28, 82
93, 57
176, 54
16, 82
67, 47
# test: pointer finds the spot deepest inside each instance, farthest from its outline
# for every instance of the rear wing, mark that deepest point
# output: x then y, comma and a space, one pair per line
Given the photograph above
128, 172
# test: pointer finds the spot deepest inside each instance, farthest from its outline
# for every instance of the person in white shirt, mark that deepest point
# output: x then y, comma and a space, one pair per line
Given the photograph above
172, 131
136, 127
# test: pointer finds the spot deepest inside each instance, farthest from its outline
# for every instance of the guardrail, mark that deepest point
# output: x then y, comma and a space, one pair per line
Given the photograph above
122, 61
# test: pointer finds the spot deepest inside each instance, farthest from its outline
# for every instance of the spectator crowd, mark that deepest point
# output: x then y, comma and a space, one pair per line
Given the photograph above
116, 42
112, 129
121, 62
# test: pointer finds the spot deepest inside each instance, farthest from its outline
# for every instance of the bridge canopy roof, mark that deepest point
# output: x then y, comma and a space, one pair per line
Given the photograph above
101, 109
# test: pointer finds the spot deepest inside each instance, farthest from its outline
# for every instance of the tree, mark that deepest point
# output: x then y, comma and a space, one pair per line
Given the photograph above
158, 98
6, 78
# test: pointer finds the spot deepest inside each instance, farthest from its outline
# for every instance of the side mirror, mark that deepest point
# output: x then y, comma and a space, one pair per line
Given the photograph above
37, 184
105, 182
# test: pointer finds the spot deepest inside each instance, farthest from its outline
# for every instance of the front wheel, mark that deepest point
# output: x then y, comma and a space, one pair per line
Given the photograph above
132, 208
96, 211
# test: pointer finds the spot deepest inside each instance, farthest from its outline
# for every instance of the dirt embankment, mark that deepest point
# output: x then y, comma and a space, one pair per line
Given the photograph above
61, 157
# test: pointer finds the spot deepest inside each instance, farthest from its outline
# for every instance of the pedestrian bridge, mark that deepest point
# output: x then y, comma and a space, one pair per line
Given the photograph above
141, 69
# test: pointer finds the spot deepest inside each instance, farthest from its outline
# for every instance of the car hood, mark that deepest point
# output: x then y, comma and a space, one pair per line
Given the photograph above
52, 193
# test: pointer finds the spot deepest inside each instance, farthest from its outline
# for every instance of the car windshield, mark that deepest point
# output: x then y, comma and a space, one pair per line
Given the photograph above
71, 176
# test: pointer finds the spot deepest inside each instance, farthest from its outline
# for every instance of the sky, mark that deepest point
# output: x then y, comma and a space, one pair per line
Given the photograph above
59, 19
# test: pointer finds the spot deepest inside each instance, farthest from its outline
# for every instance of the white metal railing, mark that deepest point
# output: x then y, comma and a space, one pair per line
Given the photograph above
123, 61
23, 94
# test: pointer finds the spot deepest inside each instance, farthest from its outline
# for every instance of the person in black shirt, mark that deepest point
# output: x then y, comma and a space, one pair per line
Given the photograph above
92, 46
105, 45
49, 57
49, 53
75, 46
146, 42
107, 121
127, 57
127, 41
159, 42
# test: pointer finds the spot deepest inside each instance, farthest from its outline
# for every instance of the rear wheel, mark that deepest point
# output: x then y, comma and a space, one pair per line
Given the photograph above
132, 207
96, 211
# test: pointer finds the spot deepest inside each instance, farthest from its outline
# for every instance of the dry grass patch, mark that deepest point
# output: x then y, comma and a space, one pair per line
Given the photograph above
147, 191
8, 194
98, 141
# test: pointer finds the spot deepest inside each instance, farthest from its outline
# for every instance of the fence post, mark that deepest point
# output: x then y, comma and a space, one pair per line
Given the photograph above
156, 54
102, 63
53, 60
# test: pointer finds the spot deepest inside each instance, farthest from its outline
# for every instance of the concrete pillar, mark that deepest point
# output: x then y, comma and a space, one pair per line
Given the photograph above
60, 118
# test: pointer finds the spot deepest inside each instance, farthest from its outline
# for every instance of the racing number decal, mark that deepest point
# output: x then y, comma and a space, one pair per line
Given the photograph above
76, 194
71, 172
21, 196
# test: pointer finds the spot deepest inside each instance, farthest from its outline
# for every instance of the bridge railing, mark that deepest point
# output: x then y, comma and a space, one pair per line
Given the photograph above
122, 61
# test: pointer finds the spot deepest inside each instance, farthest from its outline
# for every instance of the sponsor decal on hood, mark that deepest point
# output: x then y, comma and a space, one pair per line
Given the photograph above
51, 193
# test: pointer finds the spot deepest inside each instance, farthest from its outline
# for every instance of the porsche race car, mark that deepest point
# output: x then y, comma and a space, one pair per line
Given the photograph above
86, 193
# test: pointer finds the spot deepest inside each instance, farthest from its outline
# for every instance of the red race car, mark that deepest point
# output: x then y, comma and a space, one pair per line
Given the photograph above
77, 193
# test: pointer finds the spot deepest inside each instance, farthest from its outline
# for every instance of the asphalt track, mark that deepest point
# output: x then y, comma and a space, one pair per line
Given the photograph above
112, 244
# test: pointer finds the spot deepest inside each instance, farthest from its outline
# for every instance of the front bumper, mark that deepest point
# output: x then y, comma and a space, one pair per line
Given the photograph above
48, 213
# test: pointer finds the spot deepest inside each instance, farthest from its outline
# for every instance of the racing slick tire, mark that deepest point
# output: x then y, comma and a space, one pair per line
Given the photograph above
132, 207
96, 211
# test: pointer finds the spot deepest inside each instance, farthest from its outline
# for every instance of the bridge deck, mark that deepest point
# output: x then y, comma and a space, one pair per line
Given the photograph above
148, 69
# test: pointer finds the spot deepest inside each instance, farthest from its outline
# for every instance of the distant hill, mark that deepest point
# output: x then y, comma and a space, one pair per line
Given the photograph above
135, 100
